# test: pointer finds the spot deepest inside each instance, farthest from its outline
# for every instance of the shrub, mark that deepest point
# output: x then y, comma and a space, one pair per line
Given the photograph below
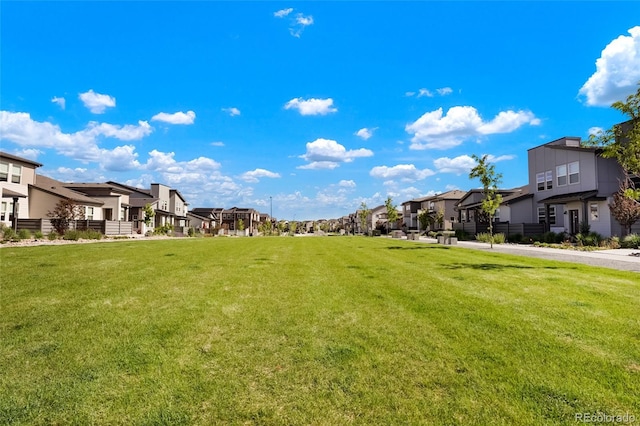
549, 237
8, 233
485, 237
462, 235
71, 235
631, 241
90, 234
515, 238
38, 234
165, 229
585, 228
24, 234
191, 232
53, 235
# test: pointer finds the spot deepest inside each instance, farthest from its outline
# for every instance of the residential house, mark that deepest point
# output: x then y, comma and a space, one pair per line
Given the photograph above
377, 219
573, 184
250, 220
213, 215
115, 200
410, 211
444, 204
16, 174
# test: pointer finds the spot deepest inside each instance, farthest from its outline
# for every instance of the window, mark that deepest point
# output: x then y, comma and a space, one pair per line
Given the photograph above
561, 173
544, 180
574, 172
552, 215
549, 176
593, 211
3, 211
4, 172
540, 181
16, 171
89, 213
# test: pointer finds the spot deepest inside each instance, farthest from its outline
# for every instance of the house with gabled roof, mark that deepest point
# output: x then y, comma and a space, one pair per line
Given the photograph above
16, 174
573, 184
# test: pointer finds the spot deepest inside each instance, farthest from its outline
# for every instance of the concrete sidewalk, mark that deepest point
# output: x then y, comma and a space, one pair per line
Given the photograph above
621, 259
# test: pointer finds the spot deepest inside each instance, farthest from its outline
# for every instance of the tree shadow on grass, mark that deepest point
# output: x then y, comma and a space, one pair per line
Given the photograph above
417, 248
483, 266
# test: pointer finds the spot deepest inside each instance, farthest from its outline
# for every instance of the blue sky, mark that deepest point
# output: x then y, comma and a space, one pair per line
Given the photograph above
320, 106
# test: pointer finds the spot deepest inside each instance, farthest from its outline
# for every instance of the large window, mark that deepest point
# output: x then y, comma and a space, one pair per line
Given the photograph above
544, 180
16, 171
540, 181
561, 173
574, 172
89, 213
4, 172
552, 215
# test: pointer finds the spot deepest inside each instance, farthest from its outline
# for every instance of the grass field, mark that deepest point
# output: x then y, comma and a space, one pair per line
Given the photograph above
331, 330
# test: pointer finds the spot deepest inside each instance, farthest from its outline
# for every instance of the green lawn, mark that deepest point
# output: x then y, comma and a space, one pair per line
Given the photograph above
328, 330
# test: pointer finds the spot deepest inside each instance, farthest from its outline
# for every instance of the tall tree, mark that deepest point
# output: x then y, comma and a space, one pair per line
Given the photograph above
425, 218
624, 209
392, 212
486, 172
363, 215
622, 141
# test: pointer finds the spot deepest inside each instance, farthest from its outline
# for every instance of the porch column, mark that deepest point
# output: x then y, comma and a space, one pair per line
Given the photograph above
14, 218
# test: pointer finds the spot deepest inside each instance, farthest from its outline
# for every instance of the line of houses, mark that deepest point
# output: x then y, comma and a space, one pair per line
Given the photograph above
570, 184
110, 207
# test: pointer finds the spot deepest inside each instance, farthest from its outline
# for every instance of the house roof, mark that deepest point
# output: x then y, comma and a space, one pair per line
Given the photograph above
571, 197
504, 192
57, 188
141, 202
197, 216
7, 193
133, 189
207, 212
95, 188
16, 158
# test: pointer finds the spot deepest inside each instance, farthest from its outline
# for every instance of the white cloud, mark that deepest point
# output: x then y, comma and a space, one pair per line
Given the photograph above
121, 158
127, 132
425, 92
435, 131
458, 165
283, 12
20, 129
175, 118
311, 106
96, 102
595, 131
30, 153
231, 111
464, 163
61, 102
218, 143
443, 91
299, 23
255, 175
347, 183
409, 94
617, 71
327, 154
366, 133
405, 172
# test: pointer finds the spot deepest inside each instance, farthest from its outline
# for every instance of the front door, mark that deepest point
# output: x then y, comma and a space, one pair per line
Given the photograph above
574, 222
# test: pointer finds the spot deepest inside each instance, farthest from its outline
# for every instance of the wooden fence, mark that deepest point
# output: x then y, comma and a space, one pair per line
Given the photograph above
106, 227
507, 228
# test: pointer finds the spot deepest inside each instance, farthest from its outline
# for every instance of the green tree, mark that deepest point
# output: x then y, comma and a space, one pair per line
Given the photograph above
426, 219
363, 214
65, 211
293, 225
486, 172
240, 225
148, 214
622, 141
392, 212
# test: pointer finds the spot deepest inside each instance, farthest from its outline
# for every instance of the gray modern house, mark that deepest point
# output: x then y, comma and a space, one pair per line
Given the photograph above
572, 184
